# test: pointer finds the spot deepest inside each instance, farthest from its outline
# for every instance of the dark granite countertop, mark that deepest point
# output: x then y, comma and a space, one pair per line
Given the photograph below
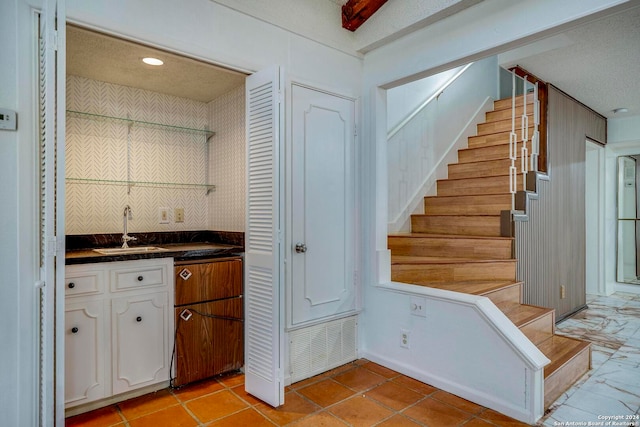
178, 245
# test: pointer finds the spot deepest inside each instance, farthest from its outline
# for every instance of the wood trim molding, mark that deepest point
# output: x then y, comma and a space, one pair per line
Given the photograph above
356, 12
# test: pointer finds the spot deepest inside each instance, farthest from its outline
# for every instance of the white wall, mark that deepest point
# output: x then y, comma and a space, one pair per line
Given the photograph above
623, 138
199, 28
419, 152
18, 248
403, 100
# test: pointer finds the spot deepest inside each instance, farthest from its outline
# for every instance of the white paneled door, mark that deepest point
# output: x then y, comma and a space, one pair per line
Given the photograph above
322, 284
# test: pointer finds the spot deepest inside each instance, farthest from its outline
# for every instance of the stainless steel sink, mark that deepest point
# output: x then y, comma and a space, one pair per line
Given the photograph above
131, 250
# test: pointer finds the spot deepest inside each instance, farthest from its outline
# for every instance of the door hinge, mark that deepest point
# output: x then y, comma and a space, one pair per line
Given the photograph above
53, 245
355, 130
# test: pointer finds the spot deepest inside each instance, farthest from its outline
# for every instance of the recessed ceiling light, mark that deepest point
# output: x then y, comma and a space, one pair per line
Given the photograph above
620, 110
152, 61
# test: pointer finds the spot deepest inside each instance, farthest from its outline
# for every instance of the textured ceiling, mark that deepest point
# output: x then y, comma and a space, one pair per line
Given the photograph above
108, 59
597, 63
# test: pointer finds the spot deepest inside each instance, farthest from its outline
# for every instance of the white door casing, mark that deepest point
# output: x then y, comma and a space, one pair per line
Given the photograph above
264, 323
322, 284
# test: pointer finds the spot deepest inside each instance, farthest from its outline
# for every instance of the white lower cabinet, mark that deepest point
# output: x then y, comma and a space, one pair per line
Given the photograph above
117, 338
84, 350
138, 342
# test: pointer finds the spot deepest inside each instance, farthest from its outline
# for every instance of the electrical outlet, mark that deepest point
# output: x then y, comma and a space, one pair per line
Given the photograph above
417, 307
163, 215
404, 338
179, 215
563, 292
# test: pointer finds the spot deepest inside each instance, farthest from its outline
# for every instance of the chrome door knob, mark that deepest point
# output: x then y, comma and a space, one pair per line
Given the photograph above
301, 248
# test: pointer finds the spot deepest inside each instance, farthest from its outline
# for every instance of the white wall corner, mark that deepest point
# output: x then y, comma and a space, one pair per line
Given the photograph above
439, 171
384, 266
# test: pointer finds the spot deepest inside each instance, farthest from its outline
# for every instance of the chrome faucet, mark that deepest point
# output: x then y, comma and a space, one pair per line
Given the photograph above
125, 237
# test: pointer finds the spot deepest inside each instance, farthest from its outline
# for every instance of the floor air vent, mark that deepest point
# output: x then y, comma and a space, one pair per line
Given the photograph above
319, 348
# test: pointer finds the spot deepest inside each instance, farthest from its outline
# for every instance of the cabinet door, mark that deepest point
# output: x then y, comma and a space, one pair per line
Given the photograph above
140, 341
84, 352
208, 281
209, 339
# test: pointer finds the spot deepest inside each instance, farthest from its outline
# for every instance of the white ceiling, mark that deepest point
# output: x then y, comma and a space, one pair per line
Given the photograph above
598, 63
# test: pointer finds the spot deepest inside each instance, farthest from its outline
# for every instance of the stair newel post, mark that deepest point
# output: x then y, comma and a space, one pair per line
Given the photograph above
525, 135
513, 141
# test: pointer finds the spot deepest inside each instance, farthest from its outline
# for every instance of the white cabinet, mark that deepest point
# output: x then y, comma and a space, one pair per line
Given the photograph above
118, 327
138, 344
84, 350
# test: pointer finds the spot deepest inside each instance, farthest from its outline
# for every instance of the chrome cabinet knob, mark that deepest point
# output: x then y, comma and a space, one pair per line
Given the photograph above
301, 248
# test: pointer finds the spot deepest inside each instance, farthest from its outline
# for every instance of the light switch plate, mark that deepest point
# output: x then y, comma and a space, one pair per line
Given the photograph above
418, 306
8, 119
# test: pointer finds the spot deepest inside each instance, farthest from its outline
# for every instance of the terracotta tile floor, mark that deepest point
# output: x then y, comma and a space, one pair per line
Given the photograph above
358, 394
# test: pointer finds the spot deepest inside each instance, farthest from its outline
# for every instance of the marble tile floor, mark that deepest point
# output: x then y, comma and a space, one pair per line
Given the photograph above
612, 387
365, 394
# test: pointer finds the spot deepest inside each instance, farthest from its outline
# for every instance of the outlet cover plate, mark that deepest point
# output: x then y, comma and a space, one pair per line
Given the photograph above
163, 215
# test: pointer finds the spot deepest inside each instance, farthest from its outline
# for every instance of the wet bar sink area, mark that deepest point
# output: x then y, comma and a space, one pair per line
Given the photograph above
130, 250
180, 245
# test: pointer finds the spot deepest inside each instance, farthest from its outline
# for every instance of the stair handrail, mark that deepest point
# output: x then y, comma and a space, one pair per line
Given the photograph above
436, 94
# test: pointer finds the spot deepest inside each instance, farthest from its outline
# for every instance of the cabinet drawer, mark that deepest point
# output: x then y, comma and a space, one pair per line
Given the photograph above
83, 282
139, 277
208, 281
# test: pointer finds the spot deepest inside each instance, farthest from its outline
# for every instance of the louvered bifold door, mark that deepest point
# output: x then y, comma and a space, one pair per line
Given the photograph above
263, 257
51, 76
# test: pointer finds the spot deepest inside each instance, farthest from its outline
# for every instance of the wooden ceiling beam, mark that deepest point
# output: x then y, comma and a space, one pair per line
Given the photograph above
356, 12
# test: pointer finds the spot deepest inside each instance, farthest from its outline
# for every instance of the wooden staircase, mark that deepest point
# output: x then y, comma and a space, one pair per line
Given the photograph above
456, 245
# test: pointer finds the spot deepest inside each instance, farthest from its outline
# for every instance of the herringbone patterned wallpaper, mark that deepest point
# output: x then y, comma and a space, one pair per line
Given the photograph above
228, 158
97, 149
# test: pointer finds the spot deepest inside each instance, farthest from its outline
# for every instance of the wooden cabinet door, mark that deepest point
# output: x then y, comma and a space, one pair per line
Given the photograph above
195, 283
209, 339
140, 341
84, 352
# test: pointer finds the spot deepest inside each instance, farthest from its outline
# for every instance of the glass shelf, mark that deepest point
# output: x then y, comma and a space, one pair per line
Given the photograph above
92, 116
146, 184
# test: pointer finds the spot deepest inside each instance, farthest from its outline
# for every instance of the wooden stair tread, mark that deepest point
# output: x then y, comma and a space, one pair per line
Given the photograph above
473, 287
448, 236
523, 314
560, 350
410, 259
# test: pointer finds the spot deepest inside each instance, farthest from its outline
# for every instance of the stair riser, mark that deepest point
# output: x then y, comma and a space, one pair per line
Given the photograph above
505, 104
477, 186
453, 247
410, 273
472, 226
497, 152
467, 205
495, 115
539, 329
563, 378
506, 296
478, 169
501, 125
495, 138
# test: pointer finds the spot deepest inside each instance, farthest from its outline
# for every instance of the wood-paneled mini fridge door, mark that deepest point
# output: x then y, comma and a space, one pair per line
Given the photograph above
209, 339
